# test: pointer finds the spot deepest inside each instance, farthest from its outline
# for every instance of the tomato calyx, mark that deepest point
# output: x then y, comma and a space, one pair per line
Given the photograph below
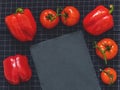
65, 15
50, 17
102, 51
109, 75
107, 48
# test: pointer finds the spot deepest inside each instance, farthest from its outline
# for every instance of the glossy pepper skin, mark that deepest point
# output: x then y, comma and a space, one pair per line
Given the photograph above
17, 69
98, 20
22, 24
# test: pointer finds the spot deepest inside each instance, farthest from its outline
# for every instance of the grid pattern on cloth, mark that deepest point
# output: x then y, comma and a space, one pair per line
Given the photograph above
10, 46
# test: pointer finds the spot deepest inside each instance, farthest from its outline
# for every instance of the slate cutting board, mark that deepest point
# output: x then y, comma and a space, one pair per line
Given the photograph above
64, 63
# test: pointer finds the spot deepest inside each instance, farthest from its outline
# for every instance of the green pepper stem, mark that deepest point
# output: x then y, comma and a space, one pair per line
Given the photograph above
111, 8
19, 10
102, 51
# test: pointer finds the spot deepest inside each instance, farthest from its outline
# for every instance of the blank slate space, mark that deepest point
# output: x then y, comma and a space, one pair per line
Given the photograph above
64, 63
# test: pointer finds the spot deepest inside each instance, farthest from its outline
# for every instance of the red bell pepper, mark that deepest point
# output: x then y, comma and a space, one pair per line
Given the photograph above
22, 24
17, 69
99, 20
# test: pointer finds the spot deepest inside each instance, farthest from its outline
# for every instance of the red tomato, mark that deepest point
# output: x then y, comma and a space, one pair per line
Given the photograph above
108, 75
106, 49
70, 16
49, 18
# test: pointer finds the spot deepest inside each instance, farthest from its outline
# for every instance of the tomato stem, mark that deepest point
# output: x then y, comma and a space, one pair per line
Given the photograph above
58, 11
111, 8
19, 10
102, 51
109, 75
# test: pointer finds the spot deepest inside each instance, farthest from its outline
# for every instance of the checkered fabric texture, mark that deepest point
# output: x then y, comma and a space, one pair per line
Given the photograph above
10, 46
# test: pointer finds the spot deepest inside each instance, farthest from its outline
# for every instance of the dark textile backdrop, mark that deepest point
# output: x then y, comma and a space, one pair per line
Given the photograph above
10, 46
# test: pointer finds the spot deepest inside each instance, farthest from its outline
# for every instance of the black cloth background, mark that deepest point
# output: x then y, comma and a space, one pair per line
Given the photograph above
11, 46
